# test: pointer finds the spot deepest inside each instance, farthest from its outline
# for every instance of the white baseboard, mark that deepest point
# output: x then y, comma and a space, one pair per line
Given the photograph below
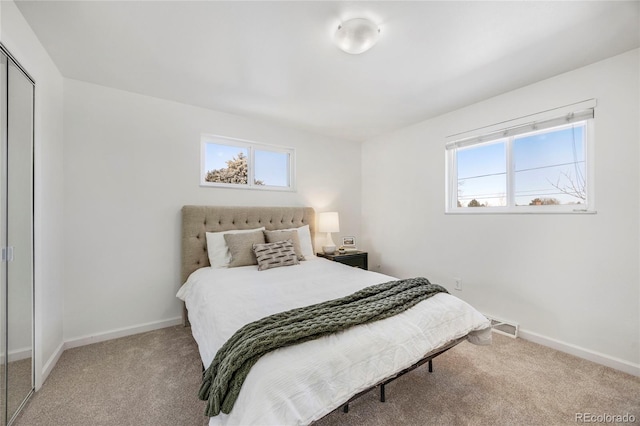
18, 354
597, 357
121, 332
51, 362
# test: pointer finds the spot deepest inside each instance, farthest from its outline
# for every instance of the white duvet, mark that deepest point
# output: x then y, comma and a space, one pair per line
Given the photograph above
302, 383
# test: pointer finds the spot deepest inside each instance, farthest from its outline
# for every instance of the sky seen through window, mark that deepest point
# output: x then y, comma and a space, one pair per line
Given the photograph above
547, 165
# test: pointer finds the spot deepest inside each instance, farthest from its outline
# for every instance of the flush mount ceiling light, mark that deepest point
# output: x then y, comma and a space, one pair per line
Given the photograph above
357, 35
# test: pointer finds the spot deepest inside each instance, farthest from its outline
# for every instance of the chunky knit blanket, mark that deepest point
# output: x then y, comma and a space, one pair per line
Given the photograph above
224, 377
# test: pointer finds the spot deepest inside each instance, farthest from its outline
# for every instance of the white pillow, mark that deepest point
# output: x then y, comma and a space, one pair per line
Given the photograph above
217, 249
304, 234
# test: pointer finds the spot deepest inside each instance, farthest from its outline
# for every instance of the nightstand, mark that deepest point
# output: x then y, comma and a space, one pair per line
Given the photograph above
358, 259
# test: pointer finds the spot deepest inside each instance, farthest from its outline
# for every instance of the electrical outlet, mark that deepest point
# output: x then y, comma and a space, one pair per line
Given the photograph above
458, 283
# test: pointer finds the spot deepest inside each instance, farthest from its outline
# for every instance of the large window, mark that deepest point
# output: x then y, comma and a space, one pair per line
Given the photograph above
234, 163
539, 167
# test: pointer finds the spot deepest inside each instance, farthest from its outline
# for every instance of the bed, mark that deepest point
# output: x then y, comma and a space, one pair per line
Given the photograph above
300, 384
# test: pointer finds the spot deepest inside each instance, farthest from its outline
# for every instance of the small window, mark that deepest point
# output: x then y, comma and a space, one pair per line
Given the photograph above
539, 167
233, 163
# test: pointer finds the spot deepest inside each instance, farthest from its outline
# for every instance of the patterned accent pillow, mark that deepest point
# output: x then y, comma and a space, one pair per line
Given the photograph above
274, 255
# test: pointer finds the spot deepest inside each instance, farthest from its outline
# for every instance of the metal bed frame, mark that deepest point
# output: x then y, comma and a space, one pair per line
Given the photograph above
427, 359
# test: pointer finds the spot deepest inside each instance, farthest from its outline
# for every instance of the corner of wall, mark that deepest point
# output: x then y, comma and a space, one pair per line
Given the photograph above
19, 38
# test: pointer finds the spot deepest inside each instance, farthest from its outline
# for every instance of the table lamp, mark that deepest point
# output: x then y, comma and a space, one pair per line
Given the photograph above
328, 222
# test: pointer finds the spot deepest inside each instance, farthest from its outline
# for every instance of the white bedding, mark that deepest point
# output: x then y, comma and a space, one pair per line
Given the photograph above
301, 383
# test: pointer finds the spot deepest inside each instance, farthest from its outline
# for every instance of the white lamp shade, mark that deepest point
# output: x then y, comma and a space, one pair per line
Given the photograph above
328, 222
357, 35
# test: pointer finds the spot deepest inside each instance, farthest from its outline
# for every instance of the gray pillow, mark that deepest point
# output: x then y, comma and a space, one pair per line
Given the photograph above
241, 247
275, 236
274, 255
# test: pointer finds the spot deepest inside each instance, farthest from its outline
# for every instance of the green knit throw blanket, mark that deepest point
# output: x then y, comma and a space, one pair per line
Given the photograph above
224, 377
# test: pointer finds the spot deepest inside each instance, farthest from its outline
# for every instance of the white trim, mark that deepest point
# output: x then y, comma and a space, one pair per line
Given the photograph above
48, 366
121, 332
20, 354
521, 210
580, 352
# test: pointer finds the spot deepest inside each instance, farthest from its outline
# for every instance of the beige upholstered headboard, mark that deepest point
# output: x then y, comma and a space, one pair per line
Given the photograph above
196, 220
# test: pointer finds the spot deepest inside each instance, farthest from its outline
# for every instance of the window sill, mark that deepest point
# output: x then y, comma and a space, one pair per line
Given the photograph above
486, 211
245, 187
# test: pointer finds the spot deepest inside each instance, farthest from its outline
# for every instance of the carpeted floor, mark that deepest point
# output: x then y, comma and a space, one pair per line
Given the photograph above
153, 379
18, 382
146, 379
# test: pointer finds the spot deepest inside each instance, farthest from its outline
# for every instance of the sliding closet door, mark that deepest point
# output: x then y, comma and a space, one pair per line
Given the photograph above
3, 237
19, 234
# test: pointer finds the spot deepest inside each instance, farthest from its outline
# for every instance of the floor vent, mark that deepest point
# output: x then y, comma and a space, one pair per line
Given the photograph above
506, 328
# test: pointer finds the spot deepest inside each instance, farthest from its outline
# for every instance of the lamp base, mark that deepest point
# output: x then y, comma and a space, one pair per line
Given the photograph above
328, 249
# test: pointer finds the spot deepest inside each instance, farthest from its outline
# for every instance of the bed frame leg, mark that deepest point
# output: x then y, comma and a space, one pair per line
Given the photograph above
430, 366
382, 396
345, 408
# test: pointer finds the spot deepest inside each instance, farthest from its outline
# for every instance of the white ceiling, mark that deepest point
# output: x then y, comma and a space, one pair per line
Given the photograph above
276, 60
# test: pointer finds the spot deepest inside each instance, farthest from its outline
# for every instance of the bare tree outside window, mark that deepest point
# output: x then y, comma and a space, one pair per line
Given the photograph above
576, 188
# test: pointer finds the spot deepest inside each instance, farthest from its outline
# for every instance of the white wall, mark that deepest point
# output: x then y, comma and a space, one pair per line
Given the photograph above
17, 36
571, 281
131, 162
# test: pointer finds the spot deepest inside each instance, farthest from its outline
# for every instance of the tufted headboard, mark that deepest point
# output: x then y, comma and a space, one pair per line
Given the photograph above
196, 220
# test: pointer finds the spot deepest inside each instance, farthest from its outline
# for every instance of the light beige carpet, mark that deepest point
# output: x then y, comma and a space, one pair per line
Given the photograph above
147, 379
153, 379
18, 381
511, 382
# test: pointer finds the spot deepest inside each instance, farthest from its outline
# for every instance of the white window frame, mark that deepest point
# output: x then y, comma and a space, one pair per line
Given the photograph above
507, 132
251, 148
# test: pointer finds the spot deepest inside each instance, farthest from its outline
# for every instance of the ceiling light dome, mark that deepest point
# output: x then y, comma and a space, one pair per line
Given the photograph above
357, 35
